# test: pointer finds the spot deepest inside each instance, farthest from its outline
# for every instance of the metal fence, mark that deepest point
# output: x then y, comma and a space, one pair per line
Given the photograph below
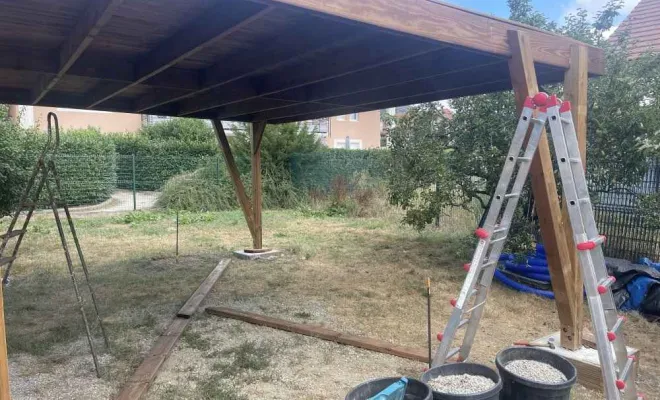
630, 233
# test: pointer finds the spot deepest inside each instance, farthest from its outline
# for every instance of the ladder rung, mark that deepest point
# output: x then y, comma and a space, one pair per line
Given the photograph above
627, 369
453, 352
575, 160
605, 284
498, 239
6, 260
566, 120
537, 121
12, 234
591, 243
510, 195
463, 322
526, 159
489, 264
502, 229
584, 200
617, 325
476, 306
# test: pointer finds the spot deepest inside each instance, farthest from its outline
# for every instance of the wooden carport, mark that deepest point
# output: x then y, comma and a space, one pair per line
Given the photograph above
276, 61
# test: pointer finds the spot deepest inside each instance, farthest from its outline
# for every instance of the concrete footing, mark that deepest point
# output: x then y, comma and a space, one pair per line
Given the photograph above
252, 255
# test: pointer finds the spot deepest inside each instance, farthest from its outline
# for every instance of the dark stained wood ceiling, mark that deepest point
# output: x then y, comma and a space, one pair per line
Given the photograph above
256, 60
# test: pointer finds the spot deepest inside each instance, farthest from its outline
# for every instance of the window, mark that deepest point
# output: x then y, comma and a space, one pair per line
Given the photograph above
348, 143
341, 117
353, 117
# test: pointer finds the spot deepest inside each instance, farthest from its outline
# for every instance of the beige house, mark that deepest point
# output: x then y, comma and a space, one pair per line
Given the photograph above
352, 131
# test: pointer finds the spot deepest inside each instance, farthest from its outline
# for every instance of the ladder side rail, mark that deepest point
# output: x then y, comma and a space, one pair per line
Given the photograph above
590, 279
597, 256
28, 217
480, 252
72, 274
496, 250
72, 228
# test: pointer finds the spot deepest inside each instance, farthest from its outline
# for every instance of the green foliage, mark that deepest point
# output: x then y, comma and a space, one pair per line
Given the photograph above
86, 163
463, 157
157, 160
201, 190
185, 130
278, 144
317, 171
649, 207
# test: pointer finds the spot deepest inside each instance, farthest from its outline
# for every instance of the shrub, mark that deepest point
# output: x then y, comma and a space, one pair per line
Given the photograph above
156, 161
186, 130
86, 163
201, 190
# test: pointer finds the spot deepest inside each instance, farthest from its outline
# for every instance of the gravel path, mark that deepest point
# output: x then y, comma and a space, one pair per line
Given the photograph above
461, 384
536, 371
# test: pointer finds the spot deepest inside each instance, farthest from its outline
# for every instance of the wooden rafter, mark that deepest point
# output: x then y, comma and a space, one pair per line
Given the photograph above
454, 25
298, 46
544, 187
89, 25
319, 69
189, 40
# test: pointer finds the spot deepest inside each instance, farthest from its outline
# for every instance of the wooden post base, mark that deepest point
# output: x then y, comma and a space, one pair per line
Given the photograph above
585, 359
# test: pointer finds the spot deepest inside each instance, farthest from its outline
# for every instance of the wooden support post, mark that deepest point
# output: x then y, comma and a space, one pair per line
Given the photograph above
575, 91
257, 129
243, 199
4, 365
544, 187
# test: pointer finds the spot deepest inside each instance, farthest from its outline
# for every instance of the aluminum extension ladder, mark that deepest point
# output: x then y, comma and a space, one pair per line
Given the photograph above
28, 203
617, 366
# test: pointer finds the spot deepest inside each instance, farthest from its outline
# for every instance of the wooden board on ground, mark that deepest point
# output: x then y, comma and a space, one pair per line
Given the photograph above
195, 300
322, 333
138, 384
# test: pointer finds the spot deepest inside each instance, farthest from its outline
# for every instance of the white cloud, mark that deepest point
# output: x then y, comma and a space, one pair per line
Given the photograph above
593, 6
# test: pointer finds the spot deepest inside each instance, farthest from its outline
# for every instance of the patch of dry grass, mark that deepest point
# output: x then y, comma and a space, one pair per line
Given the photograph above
363, 276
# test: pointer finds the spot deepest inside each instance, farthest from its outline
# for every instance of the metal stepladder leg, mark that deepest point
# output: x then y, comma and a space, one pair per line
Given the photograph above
617, 365
29, 202
491, 239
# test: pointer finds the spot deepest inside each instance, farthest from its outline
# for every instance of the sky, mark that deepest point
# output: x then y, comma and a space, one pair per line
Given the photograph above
555, 9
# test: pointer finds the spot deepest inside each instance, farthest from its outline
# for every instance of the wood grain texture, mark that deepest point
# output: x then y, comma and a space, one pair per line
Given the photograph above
190, 307
575, 91
257, 129
243, 199
5, 394
96, 15
213, 25
320, 332
453, 25
544, 188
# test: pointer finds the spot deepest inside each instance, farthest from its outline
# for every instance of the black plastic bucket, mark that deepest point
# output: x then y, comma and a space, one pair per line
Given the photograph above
518, 388
415, 390
460, 369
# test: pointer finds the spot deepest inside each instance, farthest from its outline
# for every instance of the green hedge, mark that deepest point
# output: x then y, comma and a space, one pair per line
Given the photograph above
86, 162
318, 170
157, 161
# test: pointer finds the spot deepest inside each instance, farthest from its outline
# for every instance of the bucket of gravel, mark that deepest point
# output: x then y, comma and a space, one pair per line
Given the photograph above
534, 373
462, 381
415, 390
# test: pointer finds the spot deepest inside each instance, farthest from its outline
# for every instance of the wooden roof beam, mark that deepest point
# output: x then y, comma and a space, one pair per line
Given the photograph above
355, 58
214, 25
310, 37
453, 25
89, 25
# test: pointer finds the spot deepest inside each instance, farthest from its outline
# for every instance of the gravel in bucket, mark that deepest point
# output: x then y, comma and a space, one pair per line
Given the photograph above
461, 384
536, 371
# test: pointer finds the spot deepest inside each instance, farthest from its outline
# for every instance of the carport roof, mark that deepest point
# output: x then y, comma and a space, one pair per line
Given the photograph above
259, 60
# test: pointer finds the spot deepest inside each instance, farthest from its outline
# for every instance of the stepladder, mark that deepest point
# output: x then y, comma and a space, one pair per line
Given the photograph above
45, 176
468, 308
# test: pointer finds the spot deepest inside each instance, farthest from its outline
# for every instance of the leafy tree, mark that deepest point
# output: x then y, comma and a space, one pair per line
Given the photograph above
180, 129
622, 114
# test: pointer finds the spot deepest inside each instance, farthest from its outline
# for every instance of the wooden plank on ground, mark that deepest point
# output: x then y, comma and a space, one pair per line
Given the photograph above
138, 384
320, 332
195, 300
